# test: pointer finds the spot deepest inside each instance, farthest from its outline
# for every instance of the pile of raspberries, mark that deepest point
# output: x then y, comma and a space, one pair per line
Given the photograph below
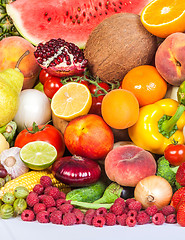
47, 204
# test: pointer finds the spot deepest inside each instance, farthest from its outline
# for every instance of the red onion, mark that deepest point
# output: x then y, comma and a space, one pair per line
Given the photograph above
76, 170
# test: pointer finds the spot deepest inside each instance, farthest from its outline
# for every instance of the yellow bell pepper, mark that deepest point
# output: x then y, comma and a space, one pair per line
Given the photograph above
158, 125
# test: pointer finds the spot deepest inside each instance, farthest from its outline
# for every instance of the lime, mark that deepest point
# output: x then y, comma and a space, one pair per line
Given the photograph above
38, 155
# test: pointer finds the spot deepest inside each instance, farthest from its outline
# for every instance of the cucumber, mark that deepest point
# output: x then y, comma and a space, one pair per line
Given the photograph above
87, 194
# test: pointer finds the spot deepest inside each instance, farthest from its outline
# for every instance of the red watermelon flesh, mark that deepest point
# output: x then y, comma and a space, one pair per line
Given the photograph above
72, 20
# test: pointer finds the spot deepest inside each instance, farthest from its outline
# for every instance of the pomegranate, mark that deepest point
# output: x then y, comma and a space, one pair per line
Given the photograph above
76, 170
60, 58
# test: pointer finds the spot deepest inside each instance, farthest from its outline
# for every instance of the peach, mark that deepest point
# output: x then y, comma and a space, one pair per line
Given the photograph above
11, 49
170, 59
128, 164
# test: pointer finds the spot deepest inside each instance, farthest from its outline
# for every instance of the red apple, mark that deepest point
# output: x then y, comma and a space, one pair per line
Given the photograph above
128, 164
89, 136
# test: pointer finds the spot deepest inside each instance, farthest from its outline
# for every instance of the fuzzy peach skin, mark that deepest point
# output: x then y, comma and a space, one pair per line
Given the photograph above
170, 59
11, 49
128, 164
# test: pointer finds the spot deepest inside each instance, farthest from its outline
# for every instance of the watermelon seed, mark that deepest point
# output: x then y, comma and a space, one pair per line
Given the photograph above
45, 14
49, 19
100, 4
78, 9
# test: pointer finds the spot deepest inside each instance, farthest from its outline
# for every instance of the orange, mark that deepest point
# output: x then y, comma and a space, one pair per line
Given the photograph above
71, 100
146, 84
120, 109
164, 17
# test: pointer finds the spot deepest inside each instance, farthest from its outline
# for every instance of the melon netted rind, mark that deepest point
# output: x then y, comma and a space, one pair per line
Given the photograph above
117, 45
72, 20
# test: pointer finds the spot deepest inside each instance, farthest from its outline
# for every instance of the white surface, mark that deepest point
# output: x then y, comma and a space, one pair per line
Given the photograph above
16, 229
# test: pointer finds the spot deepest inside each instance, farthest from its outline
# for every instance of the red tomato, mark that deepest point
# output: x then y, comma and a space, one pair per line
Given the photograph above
51, 86
96, 105
84, 82
48, 134
175, 154
104, 85
44, 76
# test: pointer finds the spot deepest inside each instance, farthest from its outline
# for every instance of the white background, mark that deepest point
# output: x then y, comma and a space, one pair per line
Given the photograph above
16, 229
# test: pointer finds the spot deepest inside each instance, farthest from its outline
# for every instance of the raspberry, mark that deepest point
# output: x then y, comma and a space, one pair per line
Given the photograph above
54, 192
69, 219
45, 181
117, 209
131, 221
158, 219
39, 189
32, 199
56, 217
101, 211
120, 201
51, 209
66, 208
39, 207
110, 219
49, 201
90, 213
43, 217
142, 218
171, 218
47, 189
167, 210
132, 213
62, 195
126, 210
98, 221
135, 205
79, 215
88, 219
60, 201
151, 210
129, 200
28, 215
41, 197
121, 219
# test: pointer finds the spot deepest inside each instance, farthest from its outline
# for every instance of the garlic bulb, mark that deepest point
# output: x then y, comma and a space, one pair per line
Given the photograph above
11, 161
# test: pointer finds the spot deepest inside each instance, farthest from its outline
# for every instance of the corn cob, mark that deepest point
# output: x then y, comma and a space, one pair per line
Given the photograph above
29, 180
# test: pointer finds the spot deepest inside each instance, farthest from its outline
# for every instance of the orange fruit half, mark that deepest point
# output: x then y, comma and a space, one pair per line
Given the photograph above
71, 100
164, 17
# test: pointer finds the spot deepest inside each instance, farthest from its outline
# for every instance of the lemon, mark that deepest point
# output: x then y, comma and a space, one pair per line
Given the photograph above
38, 155
71, 100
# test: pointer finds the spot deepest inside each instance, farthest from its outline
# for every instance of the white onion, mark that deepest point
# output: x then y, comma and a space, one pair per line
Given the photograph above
34, 106
153, 190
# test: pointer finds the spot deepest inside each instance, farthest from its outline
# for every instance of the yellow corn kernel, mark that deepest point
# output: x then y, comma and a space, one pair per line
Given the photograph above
29, 180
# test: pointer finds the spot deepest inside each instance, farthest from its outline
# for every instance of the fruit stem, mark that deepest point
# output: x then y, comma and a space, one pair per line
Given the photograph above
20, 59
167, 126
91, 205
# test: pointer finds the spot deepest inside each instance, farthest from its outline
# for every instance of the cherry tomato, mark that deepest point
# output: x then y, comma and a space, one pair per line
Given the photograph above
84, 82
104, 85
51, 86
44, 76
46, 133
175, 154
96, 105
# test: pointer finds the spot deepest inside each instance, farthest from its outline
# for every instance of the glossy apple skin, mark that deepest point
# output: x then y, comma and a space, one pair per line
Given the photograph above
128, 164
76, 171
89, 136
170, 59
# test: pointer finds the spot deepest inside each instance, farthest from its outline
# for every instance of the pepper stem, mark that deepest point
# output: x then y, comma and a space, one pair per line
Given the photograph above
168, 125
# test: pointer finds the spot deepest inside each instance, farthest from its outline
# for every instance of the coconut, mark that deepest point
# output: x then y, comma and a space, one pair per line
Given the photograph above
118, 44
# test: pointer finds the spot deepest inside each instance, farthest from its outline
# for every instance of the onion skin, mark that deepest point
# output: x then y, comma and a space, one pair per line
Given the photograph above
153, 190
76, 171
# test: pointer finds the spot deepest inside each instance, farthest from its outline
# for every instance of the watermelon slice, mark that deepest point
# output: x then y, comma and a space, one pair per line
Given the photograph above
72, 20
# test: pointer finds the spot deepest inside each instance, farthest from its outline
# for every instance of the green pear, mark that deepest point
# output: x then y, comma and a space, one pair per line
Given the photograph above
11, 83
